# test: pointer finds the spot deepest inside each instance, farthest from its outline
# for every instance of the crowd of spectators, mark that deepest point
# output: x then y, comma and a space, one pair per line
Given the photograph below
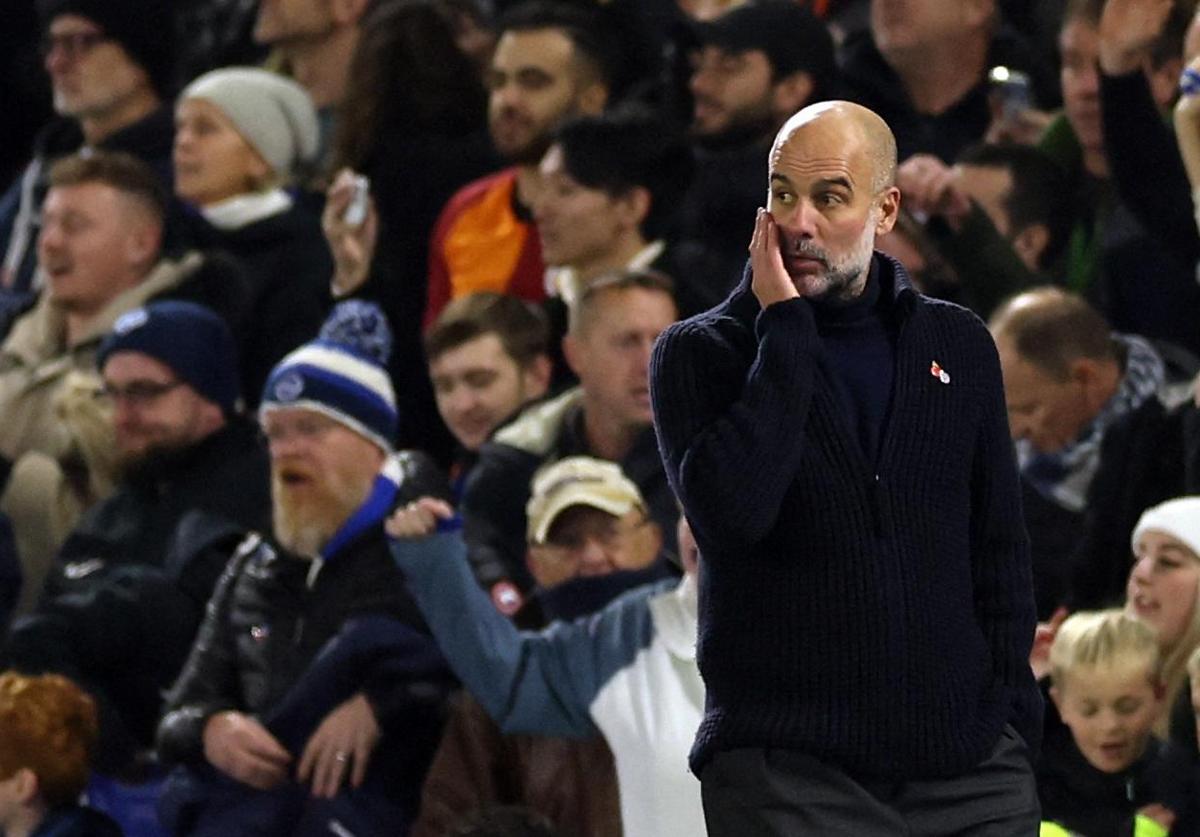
330, 498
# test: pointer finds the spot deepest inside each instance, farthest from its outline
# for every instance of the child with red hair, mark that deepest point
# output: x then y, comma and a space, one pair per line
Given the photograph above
47, 731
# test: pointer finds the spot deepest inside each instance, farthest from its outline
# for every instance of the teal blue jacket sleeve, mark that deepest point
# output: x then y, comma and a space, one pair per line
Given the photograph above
529, 682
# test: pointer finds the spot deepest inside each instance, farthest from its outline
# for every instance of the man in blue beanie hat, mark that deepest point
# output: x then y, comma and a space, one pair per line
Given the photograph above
330, 708
128, 588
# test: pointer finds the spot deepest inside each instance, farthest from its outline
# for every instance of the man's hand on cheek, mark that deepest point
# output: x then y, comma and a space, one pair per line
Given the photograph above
771, 282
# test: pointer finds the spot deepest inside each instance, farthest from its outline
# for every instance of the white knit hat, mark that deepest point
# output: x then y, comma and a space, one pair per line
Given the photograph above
272, 113
1179, 518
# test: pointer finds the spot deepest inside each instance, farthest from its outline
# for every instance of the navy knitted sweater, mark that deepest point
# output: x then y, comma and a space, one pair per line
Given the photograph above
877, 616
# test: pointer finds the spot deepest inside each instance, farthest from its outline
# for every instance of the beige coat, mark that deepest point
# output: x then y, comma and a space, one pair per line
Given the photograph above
51, 484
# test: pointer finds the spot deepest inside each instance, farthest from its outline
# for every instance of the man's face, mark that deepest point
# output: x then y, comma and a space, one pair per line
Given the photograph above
534, 83
281, 21
1047, 412
212, 160
478, 385
913, 25
611, 353
321, 472
730, 90
578, 225
91, 245
90, 75
1110, 711
586, 542
822, 200
1079, 44
153, 410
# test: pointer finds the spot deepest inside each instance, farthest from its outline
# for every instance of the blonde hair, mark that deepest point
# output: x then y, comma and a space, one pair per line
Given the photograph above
1193, 663
1104, 639
1182, 657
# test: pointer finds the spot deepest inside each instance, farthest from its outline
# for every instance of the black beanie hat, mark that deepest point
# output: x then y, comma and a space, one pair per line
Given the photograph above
144, 28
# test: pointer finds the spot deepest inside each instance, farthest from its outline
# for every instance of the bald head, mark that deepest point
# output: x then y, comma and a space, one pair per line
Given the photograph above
849, 123
832, 191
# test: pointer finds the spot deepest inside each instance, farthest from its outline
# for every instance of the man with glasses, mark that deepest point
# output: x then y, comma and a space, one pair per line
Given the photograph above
109, 65
314, 689
128, 588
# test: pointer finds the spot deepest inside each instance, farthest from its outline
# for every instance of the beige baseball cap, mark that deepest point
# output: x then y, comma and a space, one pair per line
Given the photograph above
578, 481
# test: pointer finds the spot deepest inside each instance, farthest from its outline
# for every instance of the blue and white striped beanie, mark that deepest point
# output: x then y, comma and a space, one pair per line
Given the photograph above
342, 374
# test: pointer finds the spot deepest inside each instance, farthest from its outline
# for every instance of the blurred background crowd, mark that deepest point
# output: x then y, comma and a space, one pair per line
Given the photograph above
270, 269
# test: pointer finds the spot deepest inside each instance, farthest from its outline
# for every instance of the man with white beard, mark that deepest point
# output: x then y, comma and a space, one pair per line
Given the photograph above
313, 689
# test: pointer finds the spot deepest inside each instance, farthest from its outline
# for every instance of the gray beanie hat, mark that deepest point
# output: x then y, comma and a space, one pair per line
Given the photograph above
274, 114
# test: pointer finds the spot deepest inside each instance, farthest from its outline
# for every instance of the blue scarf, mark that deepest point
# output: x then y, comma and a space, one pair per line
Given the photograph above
375, 508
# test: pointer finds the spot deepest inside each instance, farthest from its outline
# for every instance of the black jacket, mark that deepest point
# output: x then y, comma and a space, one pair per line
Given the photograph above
265, 624
287, 269
128, 588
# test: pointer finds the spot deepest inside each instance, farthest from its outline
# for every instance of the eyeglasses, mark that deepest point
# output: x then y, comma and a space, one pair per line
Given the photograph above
137, 393
73, 44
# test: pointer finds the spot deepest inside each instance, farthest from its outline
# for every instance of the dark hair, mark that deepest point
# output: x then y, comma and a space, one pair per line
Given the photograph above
410, 78
588, 29
1039, 194
618, 151
1050, 328
1169, 43
612, 282
520, 326
123, 172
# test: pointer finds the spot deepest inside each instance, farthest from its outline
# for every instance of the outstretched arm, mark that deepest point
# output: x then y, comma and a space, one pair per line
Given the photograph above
529, 682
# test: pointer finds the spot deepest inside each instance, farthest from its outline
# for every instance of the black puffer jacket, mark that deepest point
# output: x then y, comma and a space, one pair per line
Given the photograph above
128, 588
272, 612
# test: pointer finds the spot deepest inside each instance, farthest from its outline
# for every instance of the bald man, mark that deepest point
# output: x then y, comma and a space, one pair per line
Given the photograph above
841, 449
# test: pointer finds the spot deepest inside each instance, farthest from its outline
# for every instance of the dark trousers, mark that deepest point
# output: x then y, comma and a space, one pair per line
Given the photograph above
769, 792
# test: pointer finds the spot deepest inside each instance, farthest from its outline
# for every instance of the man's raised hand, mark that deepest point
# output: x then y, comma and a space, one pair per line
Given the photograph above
418, 519
770, 281
1128, 28
352, 245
